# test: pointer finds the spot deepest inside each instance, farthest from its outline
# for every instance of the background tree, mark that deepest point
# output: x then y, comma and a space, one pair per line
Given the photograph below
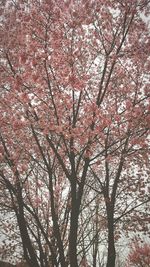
75, 115
139, 254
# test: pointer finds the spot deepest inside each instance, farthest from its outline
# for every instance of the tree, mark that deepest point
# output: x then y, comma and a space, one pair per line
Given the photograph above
139, 254
75, 114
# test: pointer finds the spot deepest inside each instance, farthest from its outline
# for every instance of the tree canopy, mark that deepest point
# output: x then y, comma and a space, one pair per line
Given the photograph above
74, 126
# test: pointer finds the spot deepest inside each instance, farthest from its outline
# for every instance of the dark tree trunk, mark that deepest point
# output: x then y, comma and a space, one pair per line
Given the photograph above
29, 252
76, 197
56, 225
111, 250
73, 229
111, 256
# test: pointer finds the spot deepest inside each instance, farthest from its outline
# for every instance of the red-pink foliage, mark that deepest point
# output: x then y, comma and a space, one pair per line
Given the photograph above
139, 255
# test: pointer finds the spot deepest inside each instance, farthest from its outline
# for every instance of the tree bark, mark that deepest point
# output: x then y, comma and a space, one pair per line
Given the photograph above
73, 228
111, 256
29, 253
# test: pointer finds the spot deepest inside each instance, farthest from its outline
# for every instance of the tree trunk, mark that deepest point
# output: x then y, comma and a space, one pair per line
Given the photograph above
73, 238
111, 250
73, 228
29, 252
111, 256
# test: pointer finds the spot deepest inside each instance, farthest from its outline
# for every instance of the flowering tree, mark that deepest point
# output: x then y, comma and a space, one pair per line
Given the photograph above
139, 254
75, 115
